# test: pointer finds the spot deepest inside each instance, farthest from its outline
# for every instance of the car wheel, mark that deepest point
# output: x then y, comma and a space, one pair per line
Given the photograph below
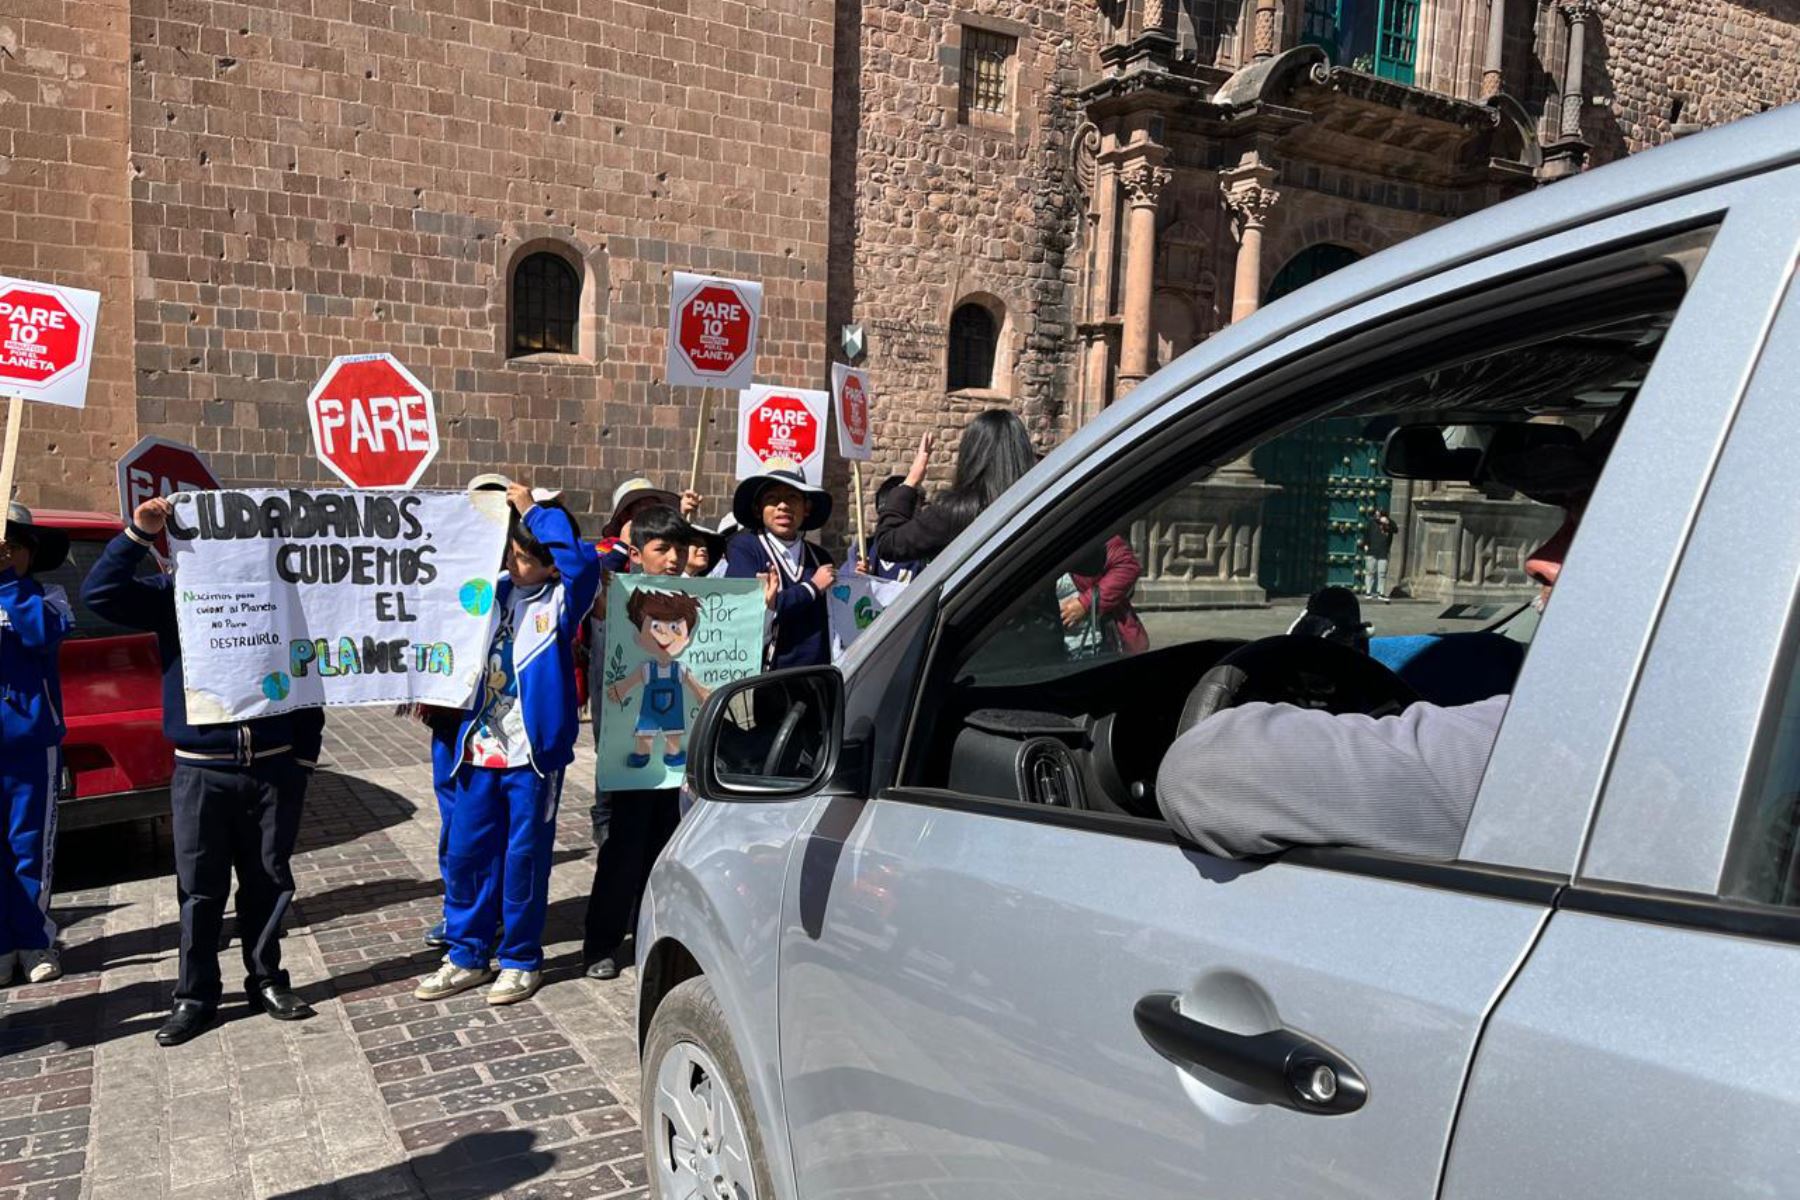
700, 1131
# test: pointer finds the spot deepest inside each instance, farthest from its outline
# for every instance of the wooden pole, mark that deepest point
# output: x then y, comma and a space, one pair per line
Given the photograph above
15, 417
862, 538
699, 439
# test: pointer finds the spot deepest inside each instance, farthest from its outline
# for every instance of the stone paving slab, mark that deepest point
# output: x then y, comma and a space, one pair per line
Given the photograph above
379, 1096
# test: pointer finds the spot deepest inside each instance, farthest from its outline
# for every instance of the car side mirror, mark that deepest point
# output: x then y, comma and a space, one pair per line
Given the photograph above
769, 737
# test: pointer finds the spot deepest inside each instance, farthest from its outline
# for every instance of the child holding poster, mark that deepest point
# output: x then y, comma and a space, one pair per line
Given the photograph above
515, 741
777, 508
33, 622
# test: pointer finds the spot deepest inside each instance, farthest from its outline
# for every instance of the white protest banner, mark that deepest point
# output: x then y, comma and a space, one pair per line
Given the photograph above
784, 423
854, 603
712, 331
853, 394
292, 599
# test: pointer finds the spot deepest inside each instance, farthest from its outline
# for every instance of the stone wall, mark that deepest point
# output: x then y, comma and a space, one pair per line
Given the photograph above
1653, 67
946, 210
318, 177
65, 218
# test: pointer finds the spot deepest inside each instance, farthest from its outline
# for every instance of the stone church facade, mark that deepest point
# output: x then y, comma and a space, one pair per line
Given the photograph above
1025, 204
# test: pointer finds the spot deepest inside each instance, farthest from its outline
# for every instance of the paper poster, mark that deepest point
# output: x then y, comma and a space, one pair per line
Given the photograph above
670, 642
853, 396
292, 599
712, 331
854, 602
785, 425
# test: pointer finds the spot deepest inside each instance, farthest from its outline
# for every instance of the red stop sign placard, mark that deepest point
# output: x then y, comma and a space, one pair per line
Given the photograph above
783, 427
373, 423
159, 467
856, 409
714, 333
42, 338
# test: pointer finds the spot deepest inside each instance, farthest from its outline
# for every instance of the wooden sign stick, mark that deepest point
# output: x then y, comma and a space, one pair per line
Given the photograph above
15, 417
862, 539
699, 439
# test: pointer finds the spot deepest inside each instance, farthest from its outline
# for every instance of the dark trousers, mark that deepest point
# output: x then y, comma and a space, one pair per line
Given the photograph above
642, 822
225, 819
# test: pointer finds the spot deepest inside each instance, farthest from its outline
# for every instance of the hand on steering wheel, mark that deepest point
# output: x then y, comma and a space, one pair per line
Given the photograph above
1306, 671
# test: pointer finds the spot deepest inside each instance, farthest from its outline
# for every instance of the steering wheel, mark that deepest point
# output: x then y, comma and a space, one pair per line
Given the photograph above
784, 734
1308, 672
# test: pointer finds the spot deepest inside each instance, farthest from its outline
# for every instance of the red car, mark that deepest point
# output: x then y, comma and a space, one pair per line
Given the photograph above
116, 762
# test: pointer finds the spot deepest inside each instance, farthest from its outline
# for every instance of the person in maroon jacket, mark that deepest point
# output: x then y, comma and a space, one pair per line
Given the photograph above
1104, 596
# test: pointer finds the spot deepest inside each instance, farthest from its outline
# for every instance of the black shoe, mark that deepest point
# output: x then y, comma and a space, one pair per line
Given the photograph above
280, 1002
606, 968
187, 1021
436, 937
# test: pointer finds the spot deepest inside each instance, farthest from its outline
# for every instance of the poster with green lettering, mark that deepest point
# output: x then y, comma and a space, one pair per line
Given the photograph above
671, 642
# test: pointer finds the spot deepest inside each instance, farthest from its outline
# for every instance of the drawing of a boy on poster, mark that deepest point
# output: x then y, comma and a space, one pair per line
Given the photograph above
665, 623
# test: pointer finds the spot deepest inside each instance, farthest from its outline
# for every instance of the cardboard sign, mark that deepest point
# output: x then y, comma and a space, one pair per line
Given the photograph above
712, 331
670, 642
292, 599
373, 423
46, 341
782, 423
855, 601
852, 397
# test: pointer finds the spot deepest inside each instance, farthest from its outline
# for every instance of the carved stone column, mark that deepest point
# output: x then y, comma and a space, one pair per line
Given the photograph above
1496, 49
1250, 200
1159, 18
1143, 180
1579, 14
1265, 33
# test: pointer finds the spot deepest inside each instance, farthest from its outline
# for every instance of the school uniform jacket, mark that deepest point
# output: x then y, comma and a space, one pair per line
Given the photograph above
544, 643
802, 620
33, 622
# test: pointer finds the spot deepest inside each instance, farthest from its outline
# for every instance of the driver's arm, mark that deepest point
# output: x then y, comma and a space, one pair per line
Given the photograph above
1263, 777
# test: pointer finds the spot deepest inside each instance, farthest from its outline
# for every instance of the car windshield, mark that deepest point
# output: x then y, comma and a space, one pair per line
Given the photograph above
69, 577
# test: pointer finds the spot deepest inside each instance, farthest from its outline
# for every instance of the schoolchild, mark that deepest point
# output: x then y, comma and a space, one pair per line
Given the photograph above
34, 619
514, 743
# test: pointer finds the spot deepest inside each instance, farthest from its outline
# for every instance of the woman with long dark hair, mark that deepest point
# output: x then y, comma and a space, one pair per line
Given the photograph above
995, 452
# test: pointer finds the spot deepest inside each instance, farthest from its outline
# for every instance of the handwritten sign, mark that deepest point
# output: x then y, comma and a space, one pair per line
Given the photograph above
670, 642
855, 601
292, 599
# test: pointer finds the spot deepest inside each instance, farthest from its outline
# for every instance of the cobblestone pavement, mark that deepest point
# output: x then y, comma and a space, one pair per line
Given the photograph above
379, 1095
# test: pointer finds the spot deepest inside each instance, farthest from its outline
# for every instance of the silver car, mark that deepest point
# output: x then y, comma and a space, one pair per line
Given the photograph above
927, 933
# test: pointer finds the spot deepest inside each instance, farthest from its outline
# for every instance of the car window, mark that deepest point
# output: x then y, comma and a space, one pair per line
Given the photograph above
69, 577
1763, 865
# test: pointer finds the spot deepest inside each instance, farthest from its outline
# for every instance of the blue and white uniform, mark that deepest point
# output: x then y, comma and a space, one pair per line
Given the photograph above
33, 622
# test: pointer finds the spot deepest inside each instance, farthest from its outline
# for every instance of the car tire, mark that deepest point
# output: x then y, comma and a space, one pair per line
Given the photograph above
699, 1124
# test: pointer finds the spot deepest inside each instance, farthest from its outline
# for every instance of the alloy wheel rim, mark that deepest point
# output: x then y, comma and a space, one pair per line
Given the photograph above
702, 1152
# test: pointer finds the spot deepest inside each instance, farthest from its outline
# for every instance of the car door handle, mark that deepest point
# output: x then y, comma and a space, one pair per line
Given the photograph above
1282, 1066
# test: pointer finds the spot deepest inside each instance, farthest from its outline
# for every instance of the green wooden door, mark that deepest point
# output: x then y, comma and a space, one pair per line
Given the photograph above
1377, 36
1329, 475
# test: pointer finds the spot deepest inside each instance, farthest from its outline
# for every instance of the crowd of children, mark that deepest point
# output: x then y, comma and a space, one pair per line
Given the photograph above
498, 765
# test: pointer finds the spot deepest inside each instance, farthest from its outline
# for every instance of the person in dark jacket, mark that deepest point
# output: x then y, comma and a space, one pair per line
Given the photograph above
776, 510
34, 619
236, 797
876, 564
994, 453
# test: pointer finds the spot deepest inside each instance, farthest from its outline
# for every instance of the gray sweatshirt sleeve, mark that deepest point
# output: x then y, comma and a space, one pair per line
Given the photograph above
1259, 778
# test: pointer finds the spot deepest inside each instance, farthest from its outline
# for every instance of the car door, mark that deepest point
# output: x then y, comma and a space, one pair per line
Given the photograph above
1649, 1045
987, 996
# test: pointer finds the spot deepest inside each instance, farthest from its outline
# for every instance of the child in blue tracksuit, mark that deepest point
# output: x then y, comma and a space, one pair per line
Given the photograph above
514, 742
33, 622
776, 509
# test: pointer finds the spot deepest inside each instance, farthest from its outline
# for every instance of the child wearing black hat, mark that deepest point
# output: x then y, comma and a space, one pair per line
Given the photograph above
33, 622
776, 509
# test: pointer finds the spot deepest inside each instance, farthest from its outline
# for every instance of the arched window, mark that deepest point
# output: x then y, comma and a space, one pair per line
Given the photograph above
546, 306
1315, 262
974, 337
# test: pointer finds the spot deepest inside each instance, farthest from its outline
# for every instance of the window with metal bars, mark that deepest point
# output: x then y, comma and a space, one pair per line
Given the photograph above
546, 306
987, 59
973, 340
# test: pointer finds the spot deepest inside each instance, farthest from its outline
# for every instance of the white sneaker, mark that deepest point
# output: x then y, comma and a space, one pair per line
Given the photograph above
513, 986
8, 962
450, 979
41, 966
